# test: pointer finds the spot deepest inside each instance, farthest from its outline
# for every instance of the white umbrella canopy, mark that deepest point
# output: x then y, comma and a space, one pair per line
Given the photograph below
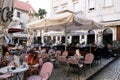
66, 21
65, 17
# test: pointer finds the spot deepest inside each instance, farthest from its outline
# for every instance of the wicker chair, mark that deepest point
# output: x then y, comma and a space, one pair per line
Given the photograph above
44, 73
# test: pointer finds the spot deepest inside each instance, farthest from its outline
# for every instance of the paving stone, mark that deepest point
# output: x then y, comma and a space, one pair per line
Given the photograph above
111, 72
61, 74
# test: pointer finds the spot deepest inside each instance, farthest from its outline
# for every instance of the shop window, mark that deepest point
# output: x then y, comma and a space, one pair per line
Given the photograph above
91, 5
108, 3
76, 7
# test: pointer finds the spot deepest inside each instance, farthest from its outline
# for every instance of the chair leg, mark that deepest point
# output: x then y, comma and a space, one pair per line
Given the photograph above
78, 76
90, 66
68, 72
84, 71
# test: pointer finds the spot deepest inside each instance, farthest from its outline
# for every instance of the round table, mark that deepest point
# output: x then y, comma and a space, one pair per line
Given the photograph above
16, 71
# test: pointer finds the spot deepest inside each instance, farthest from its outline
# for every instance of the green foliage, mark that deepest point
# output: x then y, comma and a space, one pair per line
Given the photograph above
36, 14
42, 13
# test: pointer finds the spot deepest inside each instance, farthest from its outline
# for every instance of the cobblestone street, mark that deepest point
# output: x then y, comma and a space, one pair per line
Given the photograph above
111, 72
60, 73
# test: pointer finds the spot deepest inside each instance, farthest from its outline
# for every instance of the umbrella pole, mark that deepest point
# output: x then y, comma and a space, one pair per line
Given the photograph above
65, 39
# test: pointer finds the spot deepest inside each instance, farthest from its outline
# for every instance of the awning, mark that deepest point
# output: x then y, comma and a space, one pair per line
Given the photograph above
111, 23
14, 30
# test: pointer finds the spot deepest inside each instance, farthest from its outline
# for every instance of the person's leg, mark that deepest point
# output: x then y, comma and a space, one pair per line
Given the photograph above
26, 74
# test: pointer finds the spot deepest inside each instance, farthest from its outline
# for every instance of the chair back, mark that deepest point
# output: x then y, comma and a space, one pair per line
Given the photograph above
46, 70
72, 60
43, 51
58, 53
89, 57
65, 53
5, 76
11, 63
50, 52
23, 56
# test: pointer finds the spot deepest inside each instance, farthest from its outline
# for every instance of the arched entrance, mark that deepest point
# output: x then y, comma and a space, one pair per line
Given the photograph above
90, 36
107, 36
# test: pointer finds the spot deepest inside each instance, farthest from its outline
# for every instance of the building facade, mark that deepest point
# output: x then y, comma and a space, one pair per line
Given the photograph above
106, 12
23, 11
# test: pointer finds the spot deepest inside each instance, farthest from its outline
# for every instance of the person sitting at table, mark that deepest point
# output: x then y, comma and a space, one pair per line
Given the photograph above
6, 56
33, 61
92, 46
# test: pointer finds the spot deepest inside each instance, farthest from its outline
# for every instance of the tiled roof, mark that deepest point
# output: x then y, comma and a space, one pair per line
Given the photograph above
24, 6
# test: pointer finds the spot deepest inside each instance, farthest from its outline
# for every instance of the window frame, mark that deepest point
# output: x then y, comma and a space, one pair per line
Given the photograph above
18, 14
64, 6
89, 5
74, 6
107, 6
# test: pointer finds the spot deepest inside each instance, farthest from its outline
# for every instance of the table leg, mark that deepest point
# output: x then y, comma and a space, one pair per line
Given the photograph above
16, 76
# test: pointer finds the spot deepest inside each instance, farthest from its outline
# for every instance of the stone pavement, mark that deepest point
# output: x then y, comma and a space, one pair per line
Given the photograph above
111, 72
60, 73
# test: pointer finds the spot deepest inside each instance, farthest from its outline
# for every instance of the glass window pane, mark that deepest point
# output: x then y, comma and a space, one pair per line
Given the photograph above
108, 3
91, 3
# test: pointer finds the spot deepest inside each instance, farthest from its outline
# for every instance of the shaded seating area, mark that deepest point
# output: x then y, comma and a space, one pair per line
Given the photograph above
76, 62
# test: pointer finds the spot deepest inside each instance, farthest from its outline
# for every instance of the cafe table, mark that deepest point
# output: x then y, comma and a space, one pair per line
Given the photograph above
15, 71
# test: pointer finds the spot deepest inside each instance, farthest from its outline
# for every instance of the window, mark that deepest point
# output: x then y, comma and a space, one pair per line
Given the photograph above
74, 0
18, 14
108, 3
55, 9
76, 7
82, 37
64, 8
91, 4
68, 37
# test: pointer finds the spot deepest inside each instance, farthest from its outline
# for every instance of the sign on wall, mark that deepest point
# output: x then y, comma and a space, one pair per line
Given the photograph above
6, 11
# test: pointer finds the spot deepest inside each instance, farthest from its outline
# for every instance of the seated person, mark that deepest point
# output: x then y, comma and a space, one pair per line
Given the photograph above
108, 52
92, 46
77, 54
33, 61
6, 56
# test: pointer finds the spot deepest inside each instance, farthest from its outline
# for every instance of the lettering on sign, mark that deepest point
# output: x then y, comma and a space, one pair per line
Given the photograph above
6, 14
